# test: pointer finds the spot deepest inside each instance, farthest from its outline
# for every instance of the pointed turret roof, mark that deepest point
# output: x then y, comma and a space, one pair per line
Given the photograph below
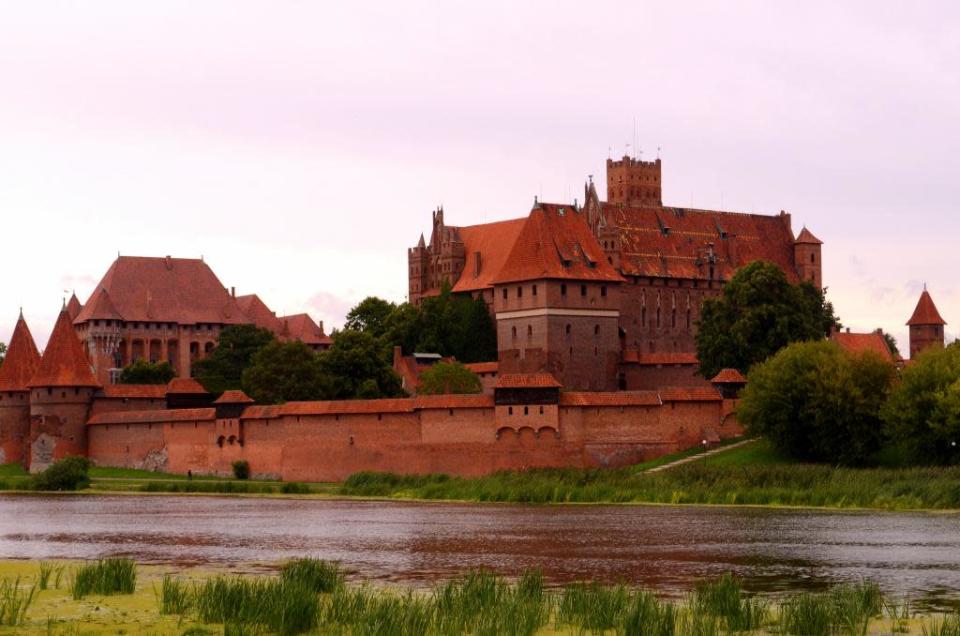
807, 237
73, 306
99, 307
21, 360
926, 312
421, 243
64, 363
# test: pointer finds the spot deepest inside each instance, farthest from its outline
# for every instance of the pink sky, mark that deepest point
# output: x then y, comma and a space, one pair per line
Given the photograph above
299, 147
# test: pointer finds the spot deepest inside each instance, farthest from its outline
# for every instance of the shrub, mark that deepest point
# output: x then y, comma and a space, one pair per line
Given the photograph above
294, 488
816, 402
241, 469
448, 377
108, 576
71, 473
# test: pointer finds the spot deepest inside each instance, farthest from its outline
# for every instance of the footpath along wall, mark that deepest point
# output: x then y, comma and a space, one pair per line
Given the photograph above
460, 435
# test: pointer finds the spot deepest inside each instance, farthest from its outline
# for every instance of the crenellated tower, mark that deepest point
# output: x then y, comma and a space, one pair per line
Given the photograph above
634, 182
61, 393
18, 368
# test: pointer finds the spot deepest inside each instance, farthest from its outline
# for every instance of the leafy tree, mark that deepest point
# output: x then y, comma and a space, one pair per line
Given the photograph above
449, 377
816, 402
236, 346
285, 371
403, 328
757, 314
145, 372
371, 316
459, 326
923, 412
3, 352
891, 343
359, 366
71, 473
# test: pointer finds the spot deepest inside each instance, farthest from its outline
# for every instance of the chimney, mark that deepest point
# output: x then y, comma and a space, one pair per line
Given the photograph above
397, 357
848, 329
233, 292
321, 328
476, 264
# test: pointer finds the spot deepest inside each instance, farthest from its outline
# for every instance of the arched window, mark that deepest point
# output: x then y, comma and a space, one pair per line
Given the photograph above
813, 258
513, 332
567, 329
596, 330
529, 331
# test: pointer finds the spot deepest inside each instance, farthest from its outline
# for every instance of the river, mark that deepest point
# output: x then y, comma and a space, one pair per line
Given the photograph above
662, 547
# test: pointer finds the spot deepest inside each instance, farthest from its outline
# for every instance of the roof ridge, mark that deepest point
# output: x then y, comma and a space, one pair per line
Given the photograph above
64, 362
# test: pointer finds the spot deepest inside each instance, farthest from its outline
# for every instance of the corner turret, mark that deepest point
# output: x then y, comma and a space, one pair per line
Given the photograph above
18, 367
807, 251
926, 325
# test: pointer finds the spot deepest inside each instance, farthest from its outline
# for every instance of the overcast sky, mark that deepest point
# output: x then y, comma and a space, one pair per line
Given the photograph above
299, 147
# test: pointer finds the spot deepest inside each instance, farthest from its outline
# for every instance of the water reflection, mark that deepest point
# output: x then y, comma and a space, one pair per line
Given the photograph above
661, 547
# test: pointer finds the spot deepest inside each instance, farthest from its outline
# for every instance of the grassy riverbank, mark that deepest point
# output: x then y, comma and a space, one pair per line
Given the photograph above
748, 475
312, 597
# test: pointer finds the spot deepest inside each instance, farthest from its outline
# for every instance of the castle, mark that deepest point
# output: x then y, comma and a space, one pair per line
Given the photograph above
606, 295
596, 309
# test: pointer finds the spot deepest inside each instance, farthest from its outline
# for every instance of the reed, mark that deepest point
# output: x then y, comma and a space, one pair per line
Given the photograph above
724, 600
225, 487
15, 601
279, 606
320, 576
482, 603
648, 615
855, 605
899, 613
173, 596
46, 571
806, 614
945, 626
107, 576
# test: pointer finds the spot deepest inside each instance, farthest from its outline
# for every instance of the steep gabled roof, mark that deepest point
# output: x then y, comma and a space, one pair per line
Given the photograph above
492, 241
179, 290
99, 307
302, 327
21, 361
64, 362
686, 243
807, 238
257, 311
860, 342
556, 243
728, 376
926, 312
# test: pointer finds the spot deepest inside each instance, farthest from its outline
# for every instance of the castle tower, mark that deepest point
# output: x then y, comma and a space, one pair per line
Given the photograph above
18, 367
807, 250
61, 392
634, 182
926, 325
417, 261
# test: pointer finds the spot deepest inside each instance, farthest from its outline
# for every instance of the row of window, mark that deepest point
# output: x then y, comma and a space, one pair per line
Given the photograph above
526, 410
151, 325
567, 330
563, 291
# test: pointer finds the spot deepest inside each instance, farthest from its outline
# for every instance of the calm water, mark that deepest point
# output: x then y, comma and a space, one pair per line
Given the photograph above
661, 547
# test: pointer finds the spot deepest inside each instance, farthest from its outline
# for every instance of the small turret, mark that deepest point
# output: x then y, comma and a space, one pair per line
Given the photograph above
61, 392
807, 251
18, 367
926, 325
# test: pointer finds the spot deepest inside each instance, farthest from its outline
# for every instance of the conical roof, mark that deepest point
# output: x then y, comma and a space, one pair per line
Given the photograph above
926, 312
64, 363
74, 306
99, 306
807, 237
21, 361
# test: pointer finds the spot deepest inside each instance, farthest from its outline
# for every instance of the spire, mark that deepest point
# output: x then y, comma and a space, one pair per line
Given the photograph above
422, 242
926, 312
807, 237
64, 363
74, 306
22, 359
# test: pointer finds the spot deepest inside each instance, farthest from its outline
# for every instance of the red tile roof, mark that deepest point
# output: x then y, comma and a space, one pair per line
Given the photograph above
483, 367
728, 376
153, 417
184, 386
179, 290
301, 327
675, 242
234, 396
493, 242
100, 307
807, 237
689, 394
926, 312
21, 361
619, 398
666, 357
143, 391
64, 362
258, 312
860, 342
556, 243
348, 407
527, 381
74, 306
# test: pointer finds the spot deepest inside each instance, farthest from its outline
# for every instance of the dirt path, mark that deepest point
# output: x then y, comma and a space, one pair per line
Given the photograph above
699, 456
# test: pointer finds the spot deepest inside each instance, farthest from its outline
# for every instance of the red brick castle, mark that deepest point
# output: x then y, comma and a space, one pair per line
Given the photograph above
606, 295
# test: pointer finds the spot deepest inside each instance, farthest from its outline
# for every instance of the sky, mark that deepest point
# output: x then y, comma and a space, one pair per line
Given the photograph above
299, 147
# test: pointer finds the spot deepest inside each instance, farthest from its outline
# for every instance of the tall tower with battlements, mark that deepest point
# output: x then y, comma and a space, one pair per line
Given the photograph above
634, 182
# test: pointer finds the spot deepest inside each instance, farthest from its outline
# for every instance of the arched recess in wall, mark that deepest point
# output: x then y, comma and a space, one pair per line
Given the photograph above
506, 433
548, 433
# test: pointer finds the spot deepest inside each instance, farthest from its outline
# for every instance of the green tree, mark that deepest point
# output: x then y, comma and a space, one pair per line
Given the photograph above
145, 372
758, 313
816, 402
449, 377
403, 328
371, 315
284, 372
923, 412
459, 326
236, 345
359, 365
891, 343
3, 351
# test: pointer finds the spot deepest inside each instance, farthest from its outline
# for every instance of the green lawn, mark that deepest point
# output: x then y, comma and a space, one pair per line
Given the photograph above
758, 453
11, 470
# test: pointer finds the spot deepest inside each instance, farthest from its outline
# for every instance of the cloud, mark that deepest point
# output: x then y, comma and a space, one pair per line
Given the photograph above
330, 308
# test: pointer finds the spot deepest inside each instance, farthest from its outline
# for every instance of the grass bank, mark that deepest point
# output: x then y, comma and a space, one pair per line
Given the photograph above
309, 596
748, 475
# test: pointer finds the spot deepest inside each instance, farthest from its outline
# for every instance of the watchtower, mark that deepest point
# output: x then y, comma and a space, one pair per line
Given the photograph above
634, 182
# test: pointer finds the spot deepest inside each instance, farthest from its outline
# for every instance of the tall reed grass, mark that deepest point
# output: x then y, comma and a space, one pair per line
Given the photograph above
320, 576
724, 600
847, 609
15, 601
173, 596
108, 576
280, 606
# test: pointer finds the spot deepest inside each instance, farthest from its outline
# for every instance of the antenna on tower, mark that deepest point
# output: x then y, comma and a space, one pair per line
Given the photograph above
658, 152
635, 133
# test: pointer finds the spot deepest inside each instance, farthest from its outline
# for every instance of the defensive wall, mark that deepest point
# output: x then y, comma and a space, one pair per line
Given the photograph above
463, 435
